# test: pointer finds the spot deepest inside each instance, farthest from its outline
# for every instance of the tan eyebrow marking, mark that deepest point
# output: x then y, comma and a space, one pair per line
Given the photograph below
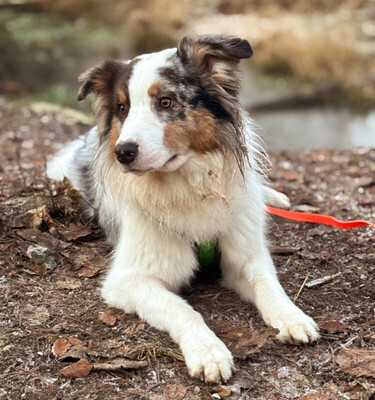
154, 89
122, 97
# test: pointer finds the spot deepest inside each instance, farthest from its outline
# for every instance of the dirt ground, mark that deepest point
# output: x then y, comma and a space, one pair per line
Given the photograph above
52, 261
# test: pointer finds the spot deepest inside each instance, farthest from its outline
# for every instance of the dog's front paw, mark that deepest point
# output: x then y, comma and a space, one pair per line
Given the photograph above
295, 327
208, 358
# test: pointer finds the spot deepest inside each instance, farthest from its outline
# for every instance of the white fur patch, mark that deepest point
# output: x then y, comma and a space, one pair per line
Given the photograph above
142, 126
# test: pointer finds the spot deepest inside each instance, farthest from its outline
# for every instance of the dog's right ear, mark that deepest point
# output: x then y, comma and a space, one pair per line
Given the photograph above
100, 79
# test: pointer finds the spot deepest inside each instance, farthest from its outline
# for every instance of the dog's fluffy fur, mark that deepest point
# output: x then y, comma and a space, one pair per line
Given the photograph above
197, 176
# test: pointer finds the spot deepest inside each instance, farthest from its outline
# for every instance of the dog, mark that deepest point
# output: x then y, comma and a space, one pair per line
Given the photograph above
173, 162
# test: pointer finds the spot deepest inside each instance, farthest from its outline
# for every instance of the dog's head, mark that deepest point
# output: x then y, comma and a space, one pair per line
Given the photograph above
158, 109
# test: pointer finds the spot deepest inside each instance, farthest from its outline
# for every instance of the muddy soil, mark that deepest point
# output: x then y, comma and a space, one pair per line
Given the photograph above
52, 261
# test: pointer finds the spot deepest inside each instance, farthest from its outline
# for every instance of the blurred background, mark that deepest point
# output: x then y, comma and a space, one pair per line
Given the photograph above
310, 83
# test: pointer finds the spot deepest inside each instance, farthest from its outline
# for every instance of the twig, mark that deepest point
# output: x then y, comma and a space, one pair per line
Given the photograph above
300, 289
323, 279
120, 363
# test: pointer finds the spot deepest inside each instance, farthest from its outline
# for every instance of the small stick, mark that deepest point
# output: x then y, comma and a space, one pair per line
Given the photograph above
119, 364
300, 289
323, 279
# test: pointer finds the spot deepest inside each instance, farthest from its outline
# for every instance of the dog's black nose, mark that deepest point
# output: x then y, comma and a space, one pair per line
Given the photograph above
126, 152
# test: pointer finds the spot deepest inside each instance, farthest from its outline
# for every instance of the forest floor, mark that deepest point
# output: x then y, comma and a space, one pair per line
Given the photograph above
52, 261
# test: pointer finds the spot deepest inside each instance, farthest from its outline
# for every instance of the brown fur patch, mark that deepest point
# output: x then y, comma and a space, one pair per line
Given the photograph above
122, 98
197, 133
114, 134
155, 89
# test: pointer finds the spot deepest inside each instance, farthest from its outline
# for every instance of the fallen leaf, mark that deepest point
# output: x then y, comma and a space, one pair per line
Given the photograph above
76, 231
109, 348
174, 392
60, 347
75, 341
222, 391
333, 326
91, 262
108, 317
42, 239
133, 329
33, 218
357, 361
75, 353
250, 342
79, 369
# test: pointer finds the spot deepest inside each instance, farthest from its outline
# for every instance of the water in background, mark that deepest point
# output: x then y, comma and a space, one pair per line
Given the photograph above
309, 127
316, 128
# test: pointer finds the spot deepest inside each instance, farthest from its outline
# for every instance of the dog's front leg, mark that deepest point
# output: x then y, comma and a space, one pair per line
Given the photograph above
248, 269
147, 268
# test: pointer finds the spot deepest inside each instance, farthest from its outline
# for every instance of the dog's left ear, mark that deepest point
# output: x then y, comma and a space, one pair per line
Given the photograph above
208, 49
100, 79
216, 57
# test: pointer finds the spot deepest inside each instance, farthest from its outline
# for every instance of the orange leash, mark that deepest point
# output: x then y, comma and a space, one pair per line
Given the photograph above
318, 218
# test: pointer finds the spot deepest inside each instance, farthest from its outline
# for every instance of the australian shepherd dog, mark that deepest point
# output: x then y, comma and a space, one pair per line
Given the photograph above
173, 162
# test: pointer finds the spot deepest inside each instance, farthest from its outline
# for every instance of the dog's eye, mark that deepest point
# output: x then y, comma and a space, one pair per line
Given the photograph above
166, 102
120, 108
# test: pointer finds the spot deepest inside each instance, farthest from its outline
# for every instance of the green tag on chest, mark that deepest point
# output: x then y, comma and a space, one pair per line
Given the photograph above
207, 253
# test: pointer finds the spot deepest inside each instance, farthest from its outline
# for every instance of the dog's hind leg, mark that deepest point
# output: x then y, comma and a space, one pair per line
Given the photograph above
248, 269
148, 266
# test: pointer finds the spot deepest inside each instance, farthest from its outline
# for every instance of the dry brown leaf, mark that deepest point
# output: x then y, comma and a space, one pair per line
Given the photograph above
222, 391
86, 260
75, 341
79, 369
75, 353
250, 342
133, 329
42, 238
174, 392
333, 326
357, 361
109, 348
108, 317
33, 218
76, 231
60, 347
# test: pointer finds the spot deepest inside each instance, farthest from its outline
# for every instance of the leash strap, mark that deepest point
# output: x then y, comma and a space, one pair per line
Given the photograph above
317, 218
